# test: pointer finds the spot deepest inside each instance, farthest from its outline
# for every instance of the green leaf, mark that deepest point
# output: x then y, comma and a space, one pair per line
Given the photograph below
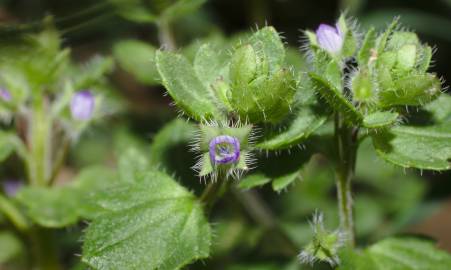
52, 208
303, 125
440, 108
282, 182
180, 80
253, 180
402, 253
426, 147
267, 42
368, 43
210, 64
6, 147
137, 58
10, 246
93, 71
134, 10
336, 100
61, 206
181, 8
411, 90
153, 223
170, 136
380, 119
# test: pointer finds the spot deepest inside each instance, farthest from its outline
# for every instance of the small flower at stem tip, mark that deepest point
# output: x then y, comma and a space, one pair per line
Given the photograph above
330, 38
82, 105
224, 149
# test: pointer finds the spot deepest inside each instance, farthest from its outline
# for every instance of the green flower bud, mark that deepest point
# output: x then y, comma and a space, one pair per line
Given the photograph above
261, 89
243, 66
362, 87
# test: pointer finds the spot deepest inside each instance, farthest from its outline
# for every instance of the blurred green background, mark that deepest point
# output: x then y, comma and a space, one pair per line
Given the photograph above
388, 200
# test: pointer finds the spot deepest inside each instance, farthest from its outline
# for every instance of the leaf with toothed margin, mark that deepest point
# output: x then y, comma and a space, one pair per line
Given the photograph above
282, 182
303, 125
425, 59
153, 223
181, 82
380, 119
253, 180
369, 43
336, 100
427, 147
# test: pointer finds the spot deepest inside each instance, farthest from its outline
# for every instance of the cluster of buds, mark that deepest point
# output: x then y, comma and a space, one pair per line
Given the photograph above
261, 89
389, 70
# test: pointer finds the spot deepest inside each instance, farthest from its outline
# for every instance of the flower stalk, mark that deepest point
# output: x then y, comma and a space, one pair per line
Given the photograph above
346, 152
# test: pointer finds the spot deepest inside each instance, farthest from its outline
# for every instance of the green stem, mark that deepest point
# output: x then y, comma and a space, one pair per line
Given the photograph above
346, 151
40, 140
213, 192
165, 35
43, 249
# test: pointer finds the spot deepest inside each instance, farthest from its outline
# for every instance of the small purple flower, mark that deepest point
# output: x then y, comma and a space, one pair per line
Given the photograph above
82, 105
5, 95
329, 38
11, 187
224, 149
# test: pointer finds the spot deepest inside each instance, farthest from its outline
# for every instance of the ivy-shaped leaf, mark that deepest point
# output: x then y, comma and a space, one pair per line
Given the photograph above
426, 147
210, 64
267, 42
153, 223
182, 83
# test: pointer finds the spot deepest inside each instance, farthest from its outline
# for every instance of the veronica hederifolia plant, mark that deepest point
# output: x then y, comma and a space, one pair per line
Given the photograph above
369, 82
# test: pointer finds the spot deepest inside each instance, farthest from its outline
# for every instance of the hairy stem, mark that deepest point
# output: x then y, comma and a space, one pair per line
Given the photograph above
346, 150
39, 140
165, 35
213, 192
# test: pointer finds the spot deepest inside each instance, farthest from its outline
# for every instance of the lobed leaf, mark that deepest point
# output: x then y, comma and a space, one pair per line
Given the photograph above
426, 147
153, 223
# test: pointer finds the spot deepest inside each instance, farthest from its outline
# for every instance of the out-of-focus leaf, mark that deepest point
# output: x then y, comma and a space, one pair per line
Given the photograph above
170, 136
189, 93
282, 182
92, 72
418, 147
405, 253
10, 246
61, 206
138, 214
137, 58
